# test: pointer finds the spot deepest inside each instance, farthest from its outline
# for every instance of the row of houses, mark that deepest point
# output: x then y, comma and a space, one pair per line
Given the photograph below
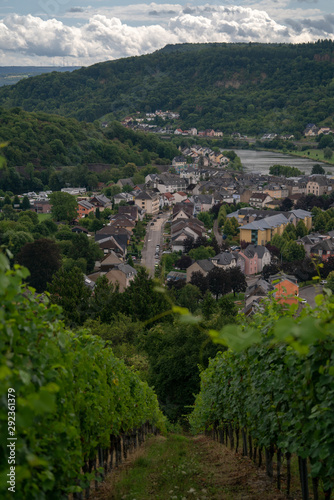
251, 261
260, 191
114, 239
311, 130
185, 225
41, 203
318, 245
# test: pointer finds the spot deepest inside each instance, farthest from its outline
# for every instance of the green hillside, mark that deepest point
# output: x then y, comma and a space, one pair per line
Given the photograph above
39, 145
251, 88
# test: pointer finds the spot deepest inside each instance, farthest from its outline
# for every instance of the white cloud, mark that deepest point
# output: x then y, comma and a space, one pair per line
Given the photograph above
33, 40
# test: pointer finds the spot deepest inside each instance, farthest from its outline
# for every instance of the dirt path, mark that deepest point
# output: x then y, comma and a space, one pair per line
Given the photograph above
231, 476
187, 468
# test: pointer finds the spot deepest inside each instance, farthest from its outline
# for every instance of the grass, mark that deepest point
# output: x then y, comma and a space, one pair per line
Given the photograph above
182, 467
238, 297
313, 154
167, 471
42, 217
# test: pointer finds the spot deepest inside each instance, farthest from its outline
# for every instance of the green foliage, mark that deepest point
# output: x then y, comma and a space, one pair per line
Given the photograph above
66, 150
206, 218
141, 301
71, 393
292, 251
301, 229
219, 281
330, 281
231, 227
276, 381
189, 297
320, 222
174, 351
68, 290
328, 153
255, 88
237, 279
285, 171
42, 258
84, 248
201, 253
168, 261
32, 215
318, 169
290, 232
63, 206
15, 240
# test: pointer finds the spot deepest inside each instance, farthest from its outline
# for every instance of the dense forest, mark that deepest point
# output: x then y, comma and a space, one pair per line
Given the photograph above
251, 88
44, 150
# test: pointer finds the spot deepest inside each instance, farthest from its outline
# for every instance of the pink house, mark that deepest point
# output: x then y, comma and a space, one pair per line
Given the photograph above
251, 261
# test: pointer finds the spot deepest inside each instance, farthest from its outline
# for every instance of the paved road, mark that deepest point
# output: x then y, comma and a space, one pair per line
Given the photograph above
309, 293
216, 232
153, 238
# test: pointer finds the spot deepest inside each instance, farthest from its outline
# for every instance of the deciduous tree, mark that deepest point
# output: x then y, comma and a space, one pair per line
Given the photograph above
238, 280
199, 280
68, 290
219, 282
42, 258
63, 206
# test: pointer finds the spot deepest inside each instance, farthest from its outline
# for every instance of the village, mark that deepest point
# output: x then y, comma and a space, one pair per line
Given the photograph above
169, 207
154, 123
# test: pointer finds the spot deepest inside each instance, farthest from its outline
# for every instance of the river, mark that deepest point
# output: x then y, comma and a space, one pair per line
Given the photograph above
261, 161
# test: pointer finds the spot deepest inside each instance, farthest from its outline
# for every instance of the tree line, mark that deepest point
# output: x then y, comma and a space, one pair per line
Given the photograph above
250, 88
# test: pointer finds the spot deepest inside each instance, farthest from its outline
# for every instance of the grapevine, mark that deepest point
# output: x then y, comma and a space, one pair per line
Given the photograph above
276, 385
74, 398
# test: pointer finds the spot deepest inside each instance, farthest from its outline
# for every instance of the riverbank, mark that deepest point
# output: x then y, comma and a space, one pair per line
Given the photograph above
309, 154
313, 154
261, 160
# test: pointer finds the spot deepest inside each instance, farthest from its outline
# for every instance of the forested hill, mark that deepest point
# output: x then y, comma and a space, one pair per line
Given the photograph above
38, 144
251, 88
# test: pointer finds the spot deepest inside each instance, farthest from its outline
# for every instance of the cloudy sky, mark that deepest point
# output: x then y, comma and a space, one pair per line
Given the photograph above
82, 32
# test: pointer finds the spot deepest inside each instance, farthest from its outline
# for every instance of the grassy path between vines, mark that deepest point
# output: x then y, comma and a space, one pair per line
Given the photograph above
186, 468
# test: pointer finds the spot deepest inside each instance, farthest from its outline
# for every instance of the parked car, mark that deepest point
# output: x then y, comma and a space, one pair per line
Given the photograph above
323, 282
304, 301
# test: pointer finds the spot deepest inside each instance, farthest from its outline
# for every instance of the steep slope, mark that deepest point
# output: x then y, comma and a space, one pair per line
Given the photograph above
37, 144
249, 87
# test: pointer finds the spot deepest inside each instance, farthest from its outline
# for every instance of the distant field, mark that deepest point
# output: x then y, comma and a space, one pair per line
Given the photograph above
313, 154
9, 75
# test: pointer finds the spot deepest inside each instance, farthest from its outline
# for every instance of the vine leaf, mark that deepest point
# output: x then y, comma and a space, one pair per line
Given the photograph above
235, 337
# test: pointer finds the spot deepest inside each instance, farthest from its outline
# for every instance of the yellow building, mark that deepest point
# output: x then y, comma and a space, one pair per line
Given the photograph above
260, 232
